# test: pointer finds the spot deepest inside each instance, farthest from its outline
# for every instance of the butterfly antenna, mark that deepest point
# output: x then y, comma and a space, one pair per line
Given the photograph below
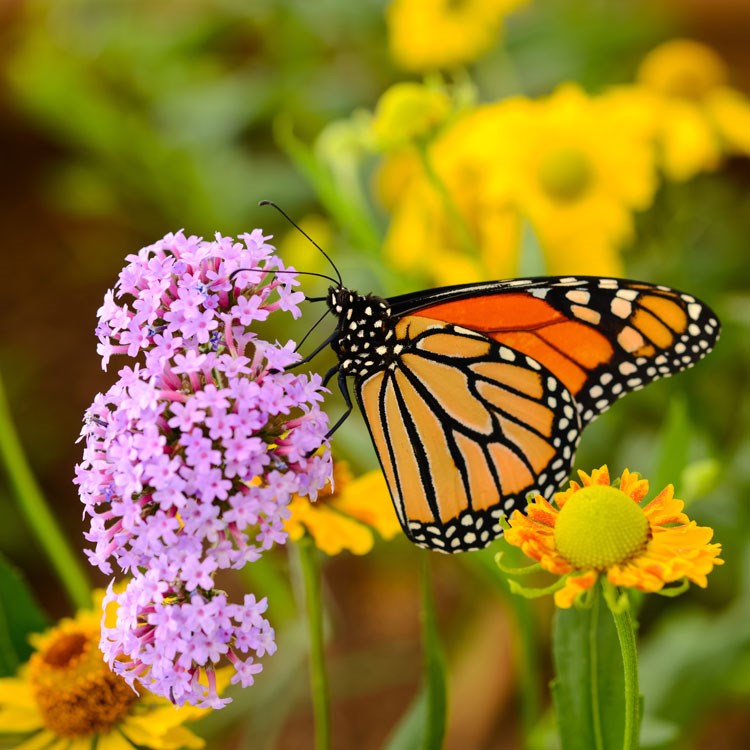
307, 335
304, 233
275, 272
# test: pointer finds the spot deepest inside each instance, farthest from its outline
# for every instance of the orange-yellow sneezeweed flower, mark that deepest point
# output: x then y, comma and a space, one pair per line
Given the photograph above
342, 518
568, 164
698, 117
594, 529
66, 697
434, 34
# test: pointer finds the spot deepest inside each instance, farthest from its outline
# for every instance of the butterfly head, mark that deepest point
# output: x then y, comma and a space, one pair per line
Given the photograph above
365, 342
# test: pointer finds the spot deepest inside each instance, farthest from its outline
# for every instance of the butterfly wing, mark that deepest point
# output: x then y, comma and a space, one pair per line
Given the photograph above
601, 337
465, 427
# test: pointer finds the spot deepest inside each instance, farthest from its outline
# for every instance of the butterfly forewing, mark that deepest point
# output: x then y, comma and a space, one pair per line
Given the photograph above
601, 337
465, 428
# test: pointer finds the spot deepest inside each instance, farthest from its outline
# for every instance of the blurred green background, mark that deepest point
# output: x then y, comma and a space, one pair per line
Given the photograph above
121, 120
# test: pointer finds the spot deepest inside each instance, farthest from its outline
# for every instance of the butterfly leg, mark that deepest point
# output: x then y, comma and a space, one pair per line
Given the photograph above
347, 398
313, 354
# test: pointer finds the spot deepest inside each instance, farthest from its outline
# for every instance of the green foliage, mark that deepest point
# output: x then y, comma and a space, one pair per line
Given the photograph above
588, 689
20, 615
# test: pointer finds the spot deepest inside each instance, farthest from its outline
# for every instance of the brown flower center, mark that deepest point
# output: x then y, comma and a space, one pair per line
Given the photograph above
75, 691
341, 477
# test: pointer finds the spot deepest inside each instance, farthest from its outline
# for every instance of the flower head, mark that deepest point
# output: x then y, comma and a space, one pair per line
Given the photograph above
593, 529
697, 117
433, 34
66, 693
408, 112
171, 640
191, 460
184, 293
569, 164
345, 512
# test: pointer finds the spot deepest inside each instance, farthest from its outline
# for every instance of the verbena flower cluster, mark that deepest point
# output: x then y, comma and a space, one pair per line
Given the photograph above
192, 457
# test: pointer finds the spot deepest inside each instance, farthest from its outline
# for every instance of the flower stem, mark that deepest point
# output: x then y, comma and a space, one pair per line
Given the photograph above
457, 220
596, 718
318, 679
36, 512
626, 636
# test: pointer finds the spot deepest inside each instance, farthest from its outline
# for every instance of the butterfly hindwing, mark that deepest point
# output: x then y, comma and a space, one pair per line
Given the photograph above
465, 427
601, 337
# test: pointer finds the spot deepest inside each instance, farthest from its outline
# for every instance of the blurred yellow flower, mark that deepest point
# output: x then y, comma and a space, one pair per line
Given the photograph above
66, 698
408, 112
577, 171
570, 165
697, 117
342, 518
438, 34
594, 529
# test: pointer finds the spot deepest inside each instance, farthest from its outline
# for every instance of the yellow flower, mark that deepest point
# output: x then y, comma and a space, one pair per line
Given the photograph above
594, 529
697, 117
570, 165
434, 34
66, 697
408, 112
342, 518
577, 171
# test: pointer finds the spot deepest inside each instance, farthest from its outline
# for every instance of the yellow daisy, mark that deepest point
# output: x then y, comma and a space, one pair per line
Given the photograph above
594, 529
343, 517
568, 164
434, 34
577, 171
66, 698
698, 117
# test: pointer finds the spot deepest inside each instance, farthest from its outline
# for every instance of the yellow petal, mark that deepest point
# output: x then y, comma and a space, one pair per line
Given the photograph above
16, 692
81, 743
730, 111
574, 586
367, 499
334, 533
113, 741
140, 731
43, 741
19, 719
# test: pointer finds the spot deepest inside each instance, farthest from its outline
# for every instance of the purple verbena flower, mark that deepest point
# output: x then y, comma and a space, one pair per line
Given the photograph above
171, 641
193, 455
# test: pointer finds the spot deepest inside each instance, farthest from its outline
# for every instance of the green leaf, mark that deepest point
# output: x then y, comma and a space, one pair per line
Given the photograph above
409, 733
675, 443
19, 616
588, 689
423, 725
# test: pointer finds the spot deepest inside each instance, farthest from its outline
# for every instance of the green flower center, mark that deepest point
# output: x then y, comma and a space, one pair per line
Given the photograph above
599, 527
565, 174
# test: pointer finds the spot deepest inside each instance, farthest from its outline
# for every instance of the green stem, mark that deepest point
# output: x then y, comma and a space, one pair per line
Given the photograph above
434, 665
626, 636
318, 679
528, 646
37, 514
596, 717
457, 220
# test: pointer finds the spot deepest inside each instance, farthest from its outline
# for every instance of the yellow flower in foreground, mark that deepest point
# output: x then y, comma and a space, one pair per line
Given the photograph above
433, 34
66, 698
697, 116
343, 518
594, 529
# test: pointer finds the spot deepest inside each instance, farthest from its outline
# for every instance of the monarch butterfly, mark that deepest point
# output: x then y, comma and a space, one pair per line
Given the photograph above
475, 395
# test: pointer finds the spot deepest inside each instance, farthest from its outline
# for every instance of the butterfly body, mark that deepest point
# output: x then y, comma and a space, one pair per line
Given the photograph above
475, 395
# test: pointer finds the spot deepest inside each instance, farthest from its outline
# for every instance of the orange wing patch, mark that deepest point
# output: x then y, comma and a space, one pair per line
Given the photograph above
456, 438
567, 347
